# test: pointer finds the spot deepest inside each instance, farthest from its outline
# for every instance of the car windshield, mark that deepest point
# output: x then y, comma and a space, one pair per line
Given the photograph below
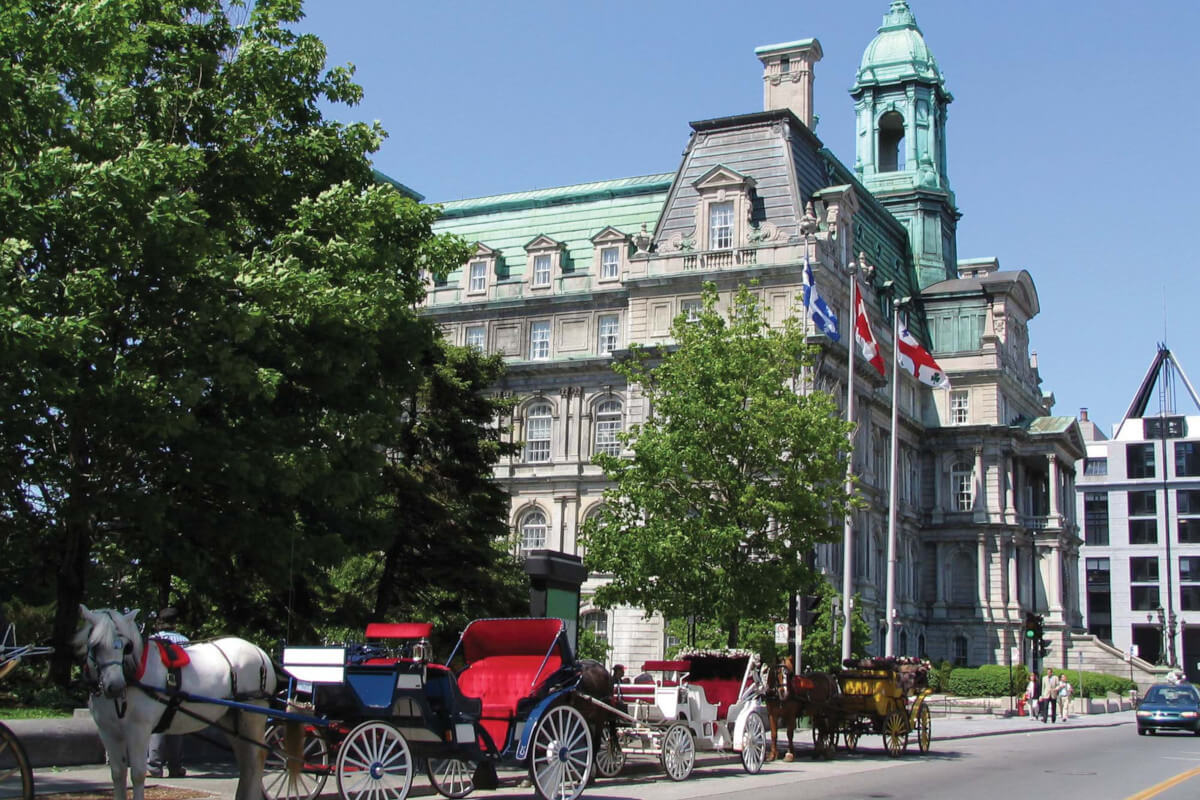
1172, 695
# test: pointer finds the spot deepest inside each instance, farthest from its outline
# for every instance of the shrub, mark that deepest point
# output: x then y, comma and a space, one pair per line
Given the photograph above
990, 680
1097, 684
939, 677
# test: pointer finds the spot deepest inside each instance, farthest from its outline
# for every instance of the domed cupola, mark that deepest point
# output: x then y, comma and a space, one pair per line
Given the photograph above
900, 101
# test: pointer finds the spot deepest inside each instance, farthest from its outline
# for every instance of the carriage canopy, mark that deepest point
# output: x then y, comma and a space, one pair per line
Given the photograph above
484, 638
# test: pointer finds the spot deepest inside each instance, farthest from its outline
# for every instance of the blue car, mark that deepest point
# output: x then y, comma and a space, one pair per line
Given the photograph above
1169, 707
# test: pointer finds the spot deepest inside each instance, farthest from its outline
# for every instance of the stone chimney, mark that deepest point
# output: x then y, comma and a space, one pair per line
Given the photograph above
788, 76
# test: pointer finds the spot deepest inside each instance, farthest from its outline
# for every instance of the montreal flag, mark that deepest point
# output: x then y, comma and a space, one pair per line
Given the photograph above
918, 363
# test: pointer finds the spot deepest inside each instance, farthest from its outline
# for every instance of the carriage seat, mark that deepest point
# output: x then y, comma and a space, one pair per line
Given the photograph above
721, 692
500, 682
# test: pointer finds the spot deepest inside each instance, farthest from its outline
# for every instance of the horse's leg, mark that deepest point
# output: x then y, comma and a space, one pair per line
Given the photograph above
790, 720
772, 717
115, 747
137, 742
249, 729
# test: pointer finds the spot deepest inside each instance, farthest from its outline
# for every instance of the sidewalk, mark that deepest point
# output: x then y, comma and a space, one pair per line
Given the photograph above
220, 779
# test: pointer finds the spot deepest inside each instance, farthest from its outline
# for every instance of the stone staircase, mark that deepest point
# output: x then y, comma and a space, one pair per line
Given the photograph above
1073, 651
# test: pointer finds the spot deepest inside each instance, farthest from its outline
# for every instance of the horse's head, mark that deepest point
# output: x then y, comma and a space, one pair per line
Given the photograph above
110, 647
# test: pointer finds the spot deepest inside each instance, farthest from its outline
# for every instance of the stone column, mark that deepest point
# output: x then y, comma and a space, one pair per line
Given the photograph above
1052, 479
983, 590
1054, 583
1010, 490
981, 503
1014, 588
939, 605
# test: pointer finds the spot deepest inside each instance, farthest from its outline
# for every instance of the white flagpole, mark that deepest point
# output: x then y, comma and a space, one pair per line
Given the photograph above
889, 642
848, 537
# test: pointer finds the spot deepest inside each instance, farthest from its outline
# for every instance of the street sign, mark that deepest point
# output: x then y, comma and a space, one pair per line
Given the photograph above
1133, 651
1015, 656
781, 633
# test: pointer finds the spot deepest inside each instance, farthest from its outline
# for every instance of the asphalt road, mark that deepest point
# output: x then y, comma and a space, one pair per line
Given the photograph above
1027, 759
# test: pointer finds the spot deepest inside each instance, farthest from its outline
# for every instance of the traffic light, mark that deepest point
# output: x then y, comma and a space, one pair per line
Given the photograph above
807, 613
1031, 626
1043, 648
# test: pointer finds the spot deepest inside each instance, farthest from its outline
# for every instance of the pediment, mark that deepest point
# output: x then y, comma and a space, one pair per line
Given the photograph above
722, 177
610, 235
543, 242
483, 251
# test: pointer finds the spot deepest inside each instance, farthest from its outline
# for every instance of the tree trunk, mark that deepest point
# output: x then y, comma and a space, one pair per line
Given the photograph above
71, 572
732, 627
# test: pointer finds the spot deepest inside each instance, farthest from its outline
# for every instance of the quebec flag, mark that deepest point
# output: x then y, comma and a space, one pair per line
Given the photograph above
823, 317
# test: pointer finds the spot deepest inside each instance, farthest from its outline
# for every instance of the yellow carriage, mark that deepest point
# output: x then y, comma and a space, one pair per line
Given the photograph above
885, 698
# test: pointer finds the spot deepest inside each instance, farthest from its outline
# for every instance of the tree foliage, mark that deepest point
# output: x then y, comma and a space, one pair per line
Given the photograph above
209, 348
821, 648
734, 475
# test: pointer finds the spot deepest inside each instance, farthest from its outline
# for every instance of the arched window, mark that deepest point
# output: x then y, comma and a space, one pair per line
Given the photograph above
921, 651
537, 433
962, 485
903, 643
608, 425
891, 142
533, 531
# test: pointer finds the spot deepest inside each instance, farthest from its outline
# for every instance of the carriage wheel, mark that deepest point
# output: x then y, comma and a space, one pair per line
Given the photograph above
374, 762
678, 755
16, 775
754, 744
895, 733
560, 759
924, 728
452, 777
850, 736
307, 777
610, 758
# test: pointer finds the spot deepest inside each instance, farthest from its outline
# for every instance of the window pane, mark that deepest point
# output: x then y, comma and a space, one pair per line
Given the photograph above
1189, 597
607, 337
475, 337
533, 531
541, 271
608, 425
610, 262
1189, 568
962, 484
691, 309
539, 340
1144, 598
1139, 460
1143, 503
1187, 501
478, 276
959, 408
1098, 575
1095, 517
1189, 531
1143, 570
720, 226
1095, 466
1143, 531
537, 433
1187, 459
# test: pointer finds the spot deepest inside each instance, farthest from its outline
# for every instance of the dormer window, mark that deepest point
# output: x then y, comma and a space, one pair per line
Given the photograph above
720, 226
479, 269
612, 249
723, 213
543, 261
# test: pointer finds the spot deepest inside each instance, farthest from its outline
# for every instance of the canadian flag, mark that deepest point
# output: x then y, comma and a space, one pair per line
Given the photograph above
917, 361
866, 339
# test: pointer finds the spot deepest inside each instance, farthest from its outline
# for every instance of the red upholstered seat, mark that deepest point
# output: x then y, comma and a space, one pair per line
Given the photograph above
499, 682
722, 692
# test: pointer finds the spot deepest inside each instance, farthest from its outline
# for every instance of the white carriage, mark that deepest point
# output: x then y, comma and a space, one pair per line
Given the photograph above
709, 701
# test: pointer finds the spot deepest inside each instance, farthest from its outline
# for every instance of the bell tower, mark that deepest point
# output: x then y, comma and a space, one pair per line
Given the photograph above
900, 102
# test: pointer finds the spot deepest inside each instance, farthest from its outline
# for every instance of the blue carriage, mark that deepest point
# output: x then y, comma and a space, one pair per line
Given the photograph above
392, 713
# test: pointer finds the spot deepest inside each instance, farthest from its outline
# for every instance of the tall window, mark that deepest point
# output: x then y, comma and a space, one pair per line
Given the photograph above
1139, 460
1187, 459
720, 226
541, 270
610, 263
1095, 517
537, 433
539, 341
608, 425
962, 485
533, 532
959, 408
608, 327
1099, 597
960, 651
475, 336
478, 278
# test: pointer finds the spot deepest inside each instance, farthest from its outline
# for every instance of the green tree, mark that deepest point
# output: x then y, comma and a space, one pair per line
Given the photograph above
208, 326
734, 475
821, 650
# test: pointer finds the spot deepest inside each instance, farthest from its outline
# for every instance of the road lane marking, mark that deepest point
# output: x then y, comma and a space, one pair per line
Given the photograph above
1158, 789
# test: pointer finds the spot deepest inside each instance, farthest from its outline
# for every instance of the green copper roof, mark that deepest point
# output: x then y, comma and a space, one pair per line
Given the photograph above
568, 214
898, 53
1048, 424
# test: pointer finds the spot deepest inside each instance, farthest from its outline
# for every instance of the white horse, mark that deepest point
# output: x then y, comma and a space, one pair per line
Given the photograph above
130, 696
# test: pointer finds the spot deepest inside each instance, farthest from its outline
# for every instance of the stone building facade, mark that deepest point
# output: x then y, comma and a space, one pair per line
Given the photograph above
564, 279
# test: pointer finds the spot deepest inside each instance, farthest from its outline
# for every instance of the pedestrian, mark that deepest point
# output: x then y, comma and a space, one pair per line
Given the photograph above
1065, 689
1031, 695
1048, 701
166, 750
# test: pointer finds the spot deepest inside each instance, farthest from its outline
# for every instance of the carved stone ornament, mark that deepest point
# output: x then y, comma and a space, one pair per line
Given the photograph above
681, 243
808, 223
642, 239
763, 232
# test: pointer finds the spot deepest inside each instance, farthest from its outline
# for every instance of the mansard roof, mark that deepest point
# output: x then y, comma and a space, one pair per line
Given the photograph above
1016, 284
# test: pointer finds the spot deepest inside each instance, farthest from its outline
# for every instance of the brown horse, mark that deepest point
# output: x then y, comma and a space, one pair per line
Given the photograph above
789, 696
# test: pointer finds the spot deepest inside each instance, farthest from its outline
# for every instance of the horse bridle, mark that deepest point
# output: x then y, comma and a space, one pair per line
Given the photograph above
93, 670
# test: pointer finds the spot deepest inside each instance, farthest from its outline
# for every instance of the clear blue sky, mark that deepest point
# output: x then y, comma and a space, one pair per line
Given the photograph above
1073, 137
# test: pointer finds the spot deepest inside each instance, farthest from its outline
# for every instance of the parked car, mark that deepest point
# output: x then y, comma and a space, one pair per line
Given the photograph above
1169, 707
